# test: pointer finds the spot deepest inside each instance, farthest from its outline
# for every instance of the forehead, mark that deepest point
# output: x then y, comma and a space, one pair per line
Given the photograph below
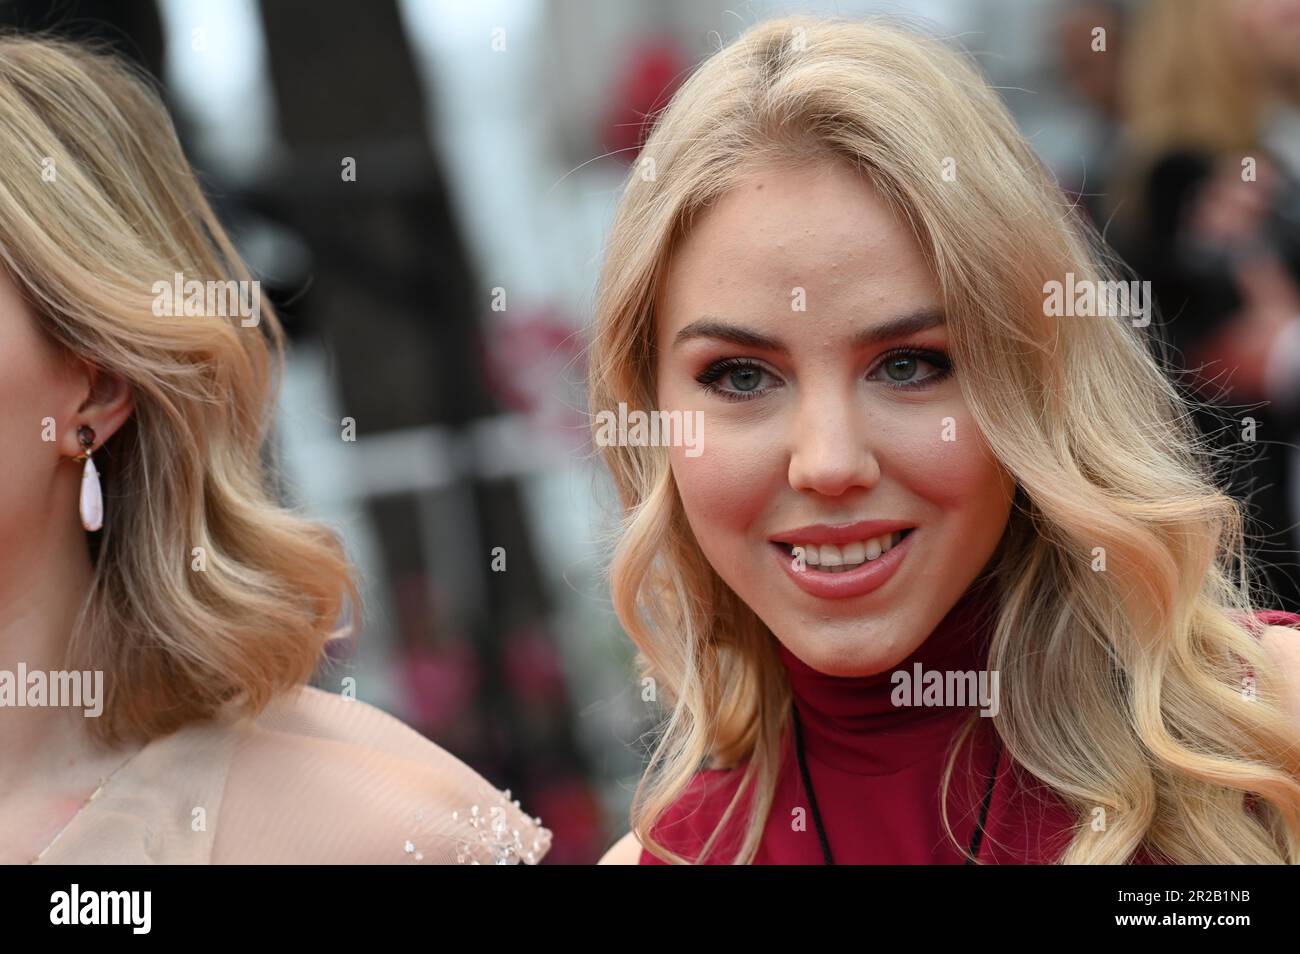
817, 231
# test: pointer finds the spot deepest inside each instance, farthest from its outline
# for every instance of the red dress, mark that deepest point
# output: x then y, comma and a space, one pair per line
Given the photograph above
876, 767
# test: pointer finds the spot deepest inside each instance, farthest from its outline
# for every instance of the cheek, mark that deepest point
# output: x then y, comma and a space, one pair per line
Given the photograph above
947, 464
30, 392
729, 484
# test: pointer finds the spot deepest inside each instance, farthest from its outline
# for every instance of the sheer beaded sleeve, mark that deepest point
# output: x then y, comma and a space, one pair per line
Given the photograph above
313, 779
322, 779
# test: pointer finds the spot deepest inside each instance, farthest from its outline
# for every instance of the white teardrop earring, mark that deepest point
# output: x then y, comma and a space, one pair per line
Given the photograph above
92, 496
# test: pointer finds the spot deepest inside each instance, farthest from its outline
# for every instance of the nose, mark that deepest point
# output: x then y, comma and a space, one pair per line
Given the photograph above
831, 447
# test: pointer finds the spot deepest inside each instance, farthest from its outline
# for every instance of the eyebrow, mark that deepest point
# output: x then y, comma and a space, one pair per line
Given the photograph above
900, 327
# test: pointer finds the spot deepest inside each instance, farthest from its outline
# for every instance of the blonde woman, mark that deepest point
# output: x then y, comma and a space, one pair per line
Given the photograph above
947, 579
142, 549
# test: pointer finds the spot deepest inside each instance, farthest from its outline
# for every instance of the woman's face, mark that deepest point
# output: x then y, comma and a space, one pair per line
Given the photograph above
44, 396
34, 387
801, 319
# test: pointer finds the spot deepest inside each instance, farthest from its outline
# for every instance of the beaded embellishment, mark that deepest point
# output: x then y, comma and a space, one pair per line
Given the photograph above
488, 834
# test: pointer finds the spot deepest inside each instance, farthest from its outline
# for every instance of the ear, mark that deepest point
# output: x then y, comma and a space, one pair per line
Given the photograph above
106, 404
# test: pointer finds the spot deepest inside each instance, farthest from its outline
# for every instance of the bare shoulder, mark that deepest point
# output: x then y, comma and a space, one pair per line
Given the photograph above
1283, 644
320, 778
625, 851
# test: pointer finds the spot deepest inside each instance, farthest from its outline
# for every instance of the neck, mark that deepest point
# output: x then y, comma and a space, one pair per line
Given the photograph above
858, 725
43, 585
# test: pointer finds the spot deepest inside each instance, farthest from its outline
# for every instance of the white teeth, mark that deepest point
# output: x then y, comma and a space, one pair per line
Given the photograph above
837, 559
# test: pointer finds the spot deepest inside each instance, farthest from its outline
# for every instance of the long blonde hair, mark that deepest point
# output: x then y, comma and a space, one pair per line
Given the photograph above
97, 204
1123, 688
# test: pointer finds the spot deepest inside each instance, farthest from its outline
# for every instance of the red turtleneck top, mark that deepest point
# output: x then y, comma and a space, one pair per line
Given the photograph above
876, 770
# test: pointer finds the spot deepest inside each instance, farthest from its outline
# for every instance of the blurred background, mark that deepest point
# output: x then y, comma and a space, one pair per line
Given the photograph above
433, 408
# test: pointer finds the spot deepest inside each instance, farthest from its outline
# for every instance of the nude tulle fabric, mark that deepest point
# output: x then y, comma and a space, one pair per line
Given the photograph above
315, 778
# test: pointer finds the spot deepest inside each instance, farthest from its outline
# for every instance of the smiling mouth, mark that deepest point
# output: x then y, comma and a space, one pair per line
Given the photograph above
832, 558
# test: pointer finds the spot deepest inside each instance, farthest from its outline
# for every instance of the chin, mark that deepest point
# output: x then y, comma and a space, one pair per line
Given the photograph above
859, 647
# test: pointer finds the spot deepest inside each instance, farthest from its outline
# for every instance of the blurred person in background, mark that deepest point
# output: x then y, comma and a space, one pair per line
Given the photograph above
1089, 37
1207, 208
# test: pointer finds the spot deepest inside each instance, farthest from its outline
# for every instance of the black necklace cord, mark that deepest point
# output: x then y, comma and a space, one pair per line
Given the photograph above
808, 787
977, 838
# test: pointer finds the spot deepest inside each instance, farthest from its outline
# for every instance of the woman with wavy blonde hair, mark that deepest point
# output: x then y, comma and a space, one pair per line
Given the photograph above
945, 576
160, 612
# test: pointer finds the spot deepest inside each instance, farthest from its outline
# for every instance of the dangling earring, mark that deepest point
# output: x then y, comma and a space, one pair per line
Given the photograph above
92, 497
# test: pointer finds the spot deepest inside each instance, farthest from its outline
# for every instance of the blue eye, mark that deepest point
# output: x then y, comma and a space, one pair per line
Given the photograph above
901, 367
735, 379
742, 379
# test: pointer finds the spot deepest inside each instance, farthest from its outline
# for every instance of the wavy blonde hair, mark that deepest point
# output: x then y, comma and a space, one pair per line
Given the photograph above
1123, 689
85, 245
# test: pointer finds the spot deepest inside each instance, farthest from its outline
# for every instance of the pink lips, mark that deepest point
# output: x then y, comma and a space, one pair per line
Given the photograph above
859, 581
837, 534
